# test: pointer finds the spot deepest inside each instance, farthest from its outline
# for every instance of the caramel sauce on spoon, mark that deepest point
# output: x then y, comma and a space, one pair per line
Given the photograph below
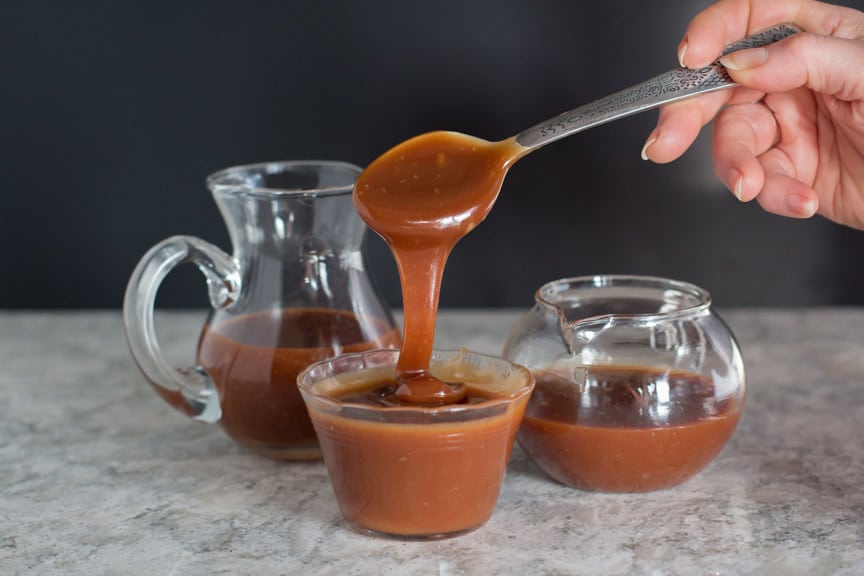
422, 197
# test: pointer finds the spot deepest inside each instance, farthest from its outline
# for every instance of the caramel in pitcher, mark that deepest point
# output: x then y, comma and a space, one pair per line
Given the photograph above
254, 361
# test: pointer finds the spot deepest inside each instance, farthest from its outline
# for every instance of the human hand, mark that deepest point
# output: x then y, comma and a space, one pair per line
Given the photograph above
791, 134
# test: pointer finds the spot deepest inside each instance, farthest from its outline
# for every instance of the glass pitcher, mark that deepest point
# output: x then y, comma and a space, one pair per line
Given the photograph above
639, 386
294, 291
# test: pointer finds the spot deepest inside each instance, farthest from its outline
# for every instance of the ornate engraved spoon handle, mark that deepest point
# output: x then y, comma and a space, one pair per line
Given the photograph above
673, 85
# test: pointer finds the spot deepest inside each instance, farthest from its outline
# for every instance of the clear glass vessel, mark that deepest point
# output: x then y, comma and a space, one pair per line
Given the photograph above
639, 383
293, 291
413, 471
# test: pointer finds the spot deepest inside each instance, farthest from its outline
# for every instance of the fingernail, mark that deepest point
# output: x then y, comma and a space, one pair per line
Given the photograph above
736, 183
682, 50
651, 139
800, 205
744, 59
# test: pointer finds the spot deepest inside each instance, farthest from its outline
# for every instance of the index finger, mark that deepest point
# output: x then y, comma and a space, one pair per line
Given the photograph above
730, 20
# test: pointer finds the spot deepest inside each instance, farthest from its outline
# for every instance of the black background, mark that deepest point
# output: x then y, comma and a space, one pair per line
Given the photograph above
112, 113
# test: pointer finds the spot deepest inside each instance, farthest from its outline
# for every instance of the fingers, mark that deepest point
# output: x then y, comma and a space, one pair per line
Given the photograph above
763, 150
782, 193
771, 179
823, 64
730, 20
679, 123
741, 134
768, 130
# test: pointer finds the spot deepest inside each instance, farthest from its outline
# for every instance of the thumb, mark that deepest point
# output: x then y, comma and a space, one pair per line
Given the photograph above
824, 64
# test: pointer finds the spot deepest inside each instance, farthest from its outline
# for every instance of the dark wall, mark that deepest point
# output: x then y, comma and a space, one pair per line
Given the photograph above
112, 113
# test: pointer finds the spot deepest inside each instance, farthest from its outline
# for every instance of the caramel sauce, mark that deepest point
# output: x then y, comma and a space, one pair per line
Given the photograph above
422, 197
439, 473
416, 479
627, 429
254, 361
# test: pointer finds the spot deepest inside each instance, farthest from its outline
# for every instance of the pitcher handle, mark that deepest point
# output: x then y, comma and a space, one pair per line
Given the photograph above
189, 390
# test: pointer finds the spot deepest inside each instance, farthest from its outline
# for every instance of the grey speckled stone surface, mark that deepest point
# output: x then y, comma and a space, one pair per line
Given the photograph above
99, 476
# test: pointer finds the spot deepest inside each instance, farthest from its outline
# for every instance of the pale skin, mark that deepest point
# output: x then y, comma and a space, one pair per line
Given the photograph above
791, 135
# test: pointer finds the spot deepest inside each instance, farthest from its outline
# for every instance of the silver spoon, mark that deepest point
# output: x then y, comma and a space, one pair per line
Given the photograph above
669, 87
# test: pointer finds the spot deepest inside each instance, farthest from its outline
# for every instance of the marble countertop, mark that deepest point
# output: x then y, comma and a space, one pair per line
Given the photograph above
99, 476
